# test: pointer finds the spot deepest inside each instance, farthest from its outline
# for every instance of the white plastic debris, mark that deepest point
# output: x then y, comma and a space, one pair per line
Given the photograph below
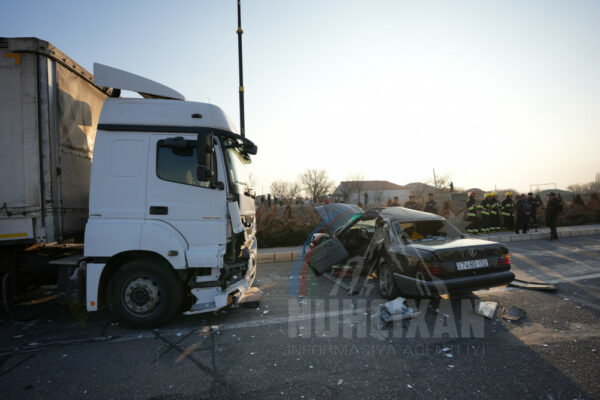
17, 336
251, 353
340, 382
450, 366
396, 310
409, 386
33, 344
486, 308
178, 334
266, 312
448, 355
445, 350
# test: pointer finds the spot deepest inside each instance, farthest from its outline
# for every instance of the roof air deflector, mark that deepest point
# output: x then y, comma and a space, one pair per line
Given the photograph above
118, 79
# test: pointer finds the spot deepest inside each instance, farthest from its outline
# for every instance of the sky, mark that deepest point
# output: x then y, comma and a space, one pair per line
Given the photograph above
495, 94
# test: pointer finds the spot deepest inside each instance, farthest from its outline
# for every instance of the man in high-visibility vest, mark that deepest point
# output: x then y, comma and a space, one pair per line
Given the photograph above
485, 214
471, 211
495, 212
507, 209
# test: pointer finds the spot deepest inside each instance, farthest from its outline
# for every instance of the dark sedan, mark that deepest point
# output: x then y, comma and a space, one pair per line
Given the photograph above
412, 253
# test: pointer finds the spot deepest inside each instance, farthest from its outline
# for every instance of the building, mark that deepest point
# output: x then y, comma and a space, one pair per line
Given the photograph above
377, 192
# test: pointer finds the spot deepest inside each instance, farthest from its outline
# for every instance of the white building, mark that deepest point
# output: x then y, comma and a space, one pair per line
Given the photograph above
371, 192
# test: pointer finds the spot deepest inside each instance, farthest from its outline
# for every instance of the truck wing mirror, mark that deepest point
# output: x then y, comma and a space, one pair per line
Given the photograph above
205, 150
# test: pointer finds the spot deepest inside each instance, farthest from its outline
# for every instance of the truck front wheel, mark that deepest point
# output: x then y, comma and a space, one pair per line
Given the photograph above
143, 294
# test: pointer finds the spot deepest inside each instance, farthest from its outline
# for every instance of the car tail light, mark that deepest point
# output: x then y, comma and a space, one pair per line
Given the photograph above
504, 259
431, 267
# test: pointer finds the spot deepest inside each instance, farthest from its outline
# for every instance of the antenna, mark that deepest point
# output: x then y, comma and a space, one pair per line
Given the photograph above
239, 33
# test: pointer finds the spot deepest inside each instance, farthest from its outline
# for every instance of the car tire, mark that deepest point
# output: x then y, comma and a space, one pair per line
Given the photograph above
386, 284
144, 294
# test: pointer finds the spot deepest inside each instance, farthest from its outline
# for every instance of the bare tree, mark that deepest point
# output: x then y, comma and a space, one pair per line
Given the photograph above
441, 183
344, 190
280, 189
316, 183
590, 187
294, 190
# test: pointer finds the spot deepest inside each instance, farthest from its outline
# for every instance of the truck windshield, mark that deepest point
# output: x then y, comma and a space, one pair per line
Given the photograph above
238, 165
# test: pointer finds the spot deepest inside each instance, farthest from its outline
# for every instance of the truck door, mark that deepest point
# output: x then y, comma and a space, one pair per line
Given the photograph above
176, 197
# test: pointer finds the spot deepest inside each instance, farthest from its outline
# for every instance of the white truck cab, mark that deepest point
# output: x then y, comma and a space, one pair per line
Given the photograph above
171, 215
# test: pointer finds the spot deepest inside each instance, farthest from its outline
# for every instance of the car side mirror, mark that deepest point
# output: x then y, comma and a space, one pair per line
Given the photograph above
205, 150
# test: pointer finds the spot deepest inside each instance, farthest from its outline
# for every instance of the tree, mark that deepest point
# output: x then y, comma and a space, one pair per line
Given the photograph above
590, 187
442, 183
279, 189
294, 190
316, 183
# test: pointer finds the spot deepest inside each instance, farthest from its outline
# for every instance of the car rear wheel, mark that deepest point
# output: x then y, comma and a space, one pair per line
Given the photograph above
386, 283
144, 294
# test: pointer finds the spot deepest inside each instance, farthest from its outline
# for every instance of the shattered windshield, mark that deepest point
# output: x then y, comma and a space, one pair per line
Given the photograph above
425, 231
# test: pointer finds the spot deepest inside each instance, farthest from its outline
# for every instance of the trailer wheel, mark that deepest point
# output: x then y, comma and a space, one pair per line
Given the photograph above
386, 283
143, 294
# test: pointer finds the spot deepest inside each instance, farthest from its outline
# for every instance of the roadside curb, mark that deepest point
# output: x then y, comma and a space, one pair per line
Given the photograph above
269, 257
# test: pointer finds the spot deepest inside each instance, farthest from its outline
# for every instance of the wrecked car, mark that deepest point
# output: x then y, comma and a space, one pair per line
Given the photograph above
412, 253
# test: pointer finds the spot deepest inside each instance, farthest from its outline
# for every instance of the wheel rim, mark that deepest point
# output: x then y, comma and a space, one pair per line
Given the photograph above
141, 295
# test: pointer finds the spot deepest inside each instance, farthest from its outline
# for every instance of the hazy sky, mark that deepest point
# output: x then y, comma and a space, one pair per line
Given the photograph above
492, 93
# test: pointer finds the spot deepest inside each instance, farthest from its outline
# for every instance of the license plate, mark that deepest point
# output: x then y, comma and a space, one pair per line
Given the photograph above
471, 264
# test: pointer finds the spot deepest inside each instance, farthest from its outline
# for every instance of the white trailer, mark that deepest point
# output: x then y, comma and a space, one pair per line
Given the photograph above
49, 110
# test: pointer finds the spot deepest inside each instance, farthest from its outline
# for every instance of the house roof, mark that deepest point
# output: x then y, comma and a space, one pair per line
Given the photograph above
374, 185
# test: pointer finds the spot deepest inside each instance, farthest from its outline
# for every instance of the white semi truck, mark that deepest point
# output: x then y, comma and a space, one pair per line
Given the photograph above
171, 217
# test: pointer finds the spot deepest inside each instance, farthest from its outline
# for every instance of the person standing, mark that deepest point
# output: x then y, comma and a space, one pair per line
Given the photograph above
495, 212
553, 208
471, 212
507, 208
431, 205
411, 203
485, 213
522, 208
533, 206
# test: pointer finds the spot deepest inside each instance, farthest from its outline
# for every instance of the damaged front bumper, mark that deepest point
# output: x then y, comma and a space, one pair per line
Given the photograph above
214, 298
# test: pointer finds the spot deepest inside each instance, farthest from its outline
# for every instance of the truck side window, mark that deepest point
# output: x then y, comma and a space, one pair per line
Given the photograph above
176, 161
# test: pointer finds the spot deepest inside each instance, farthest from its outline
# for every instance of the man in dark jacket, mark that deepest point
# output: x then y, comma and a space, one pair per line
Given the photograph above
553, 208
431, 205
507, 212
533, 205
411, 203
522, 208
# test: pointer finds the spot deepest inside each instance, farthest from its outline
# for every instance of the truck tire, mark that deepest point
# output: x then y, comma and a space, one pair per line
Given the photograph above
386, 284
144, 294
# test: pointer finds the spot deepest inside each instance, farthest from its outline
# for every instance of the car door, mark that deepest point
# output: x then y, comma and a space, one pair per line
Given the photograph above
327, 254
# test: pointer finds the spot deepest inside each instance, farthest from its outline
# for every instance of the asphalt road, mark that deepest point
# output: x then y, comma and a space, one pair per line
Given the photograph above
310, 339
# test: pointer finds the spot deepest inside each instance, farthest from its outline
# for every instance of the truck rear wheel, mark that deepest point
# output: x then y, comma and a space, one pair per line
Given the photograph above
143, 294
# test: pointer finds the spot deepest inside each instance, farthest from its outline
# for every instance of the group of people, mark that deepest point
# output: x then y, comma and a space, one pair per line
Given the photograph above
491, 215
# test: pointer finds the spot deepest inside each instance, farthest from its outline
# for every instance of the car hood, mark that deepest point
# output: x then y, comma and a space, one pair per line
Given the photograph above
337, 214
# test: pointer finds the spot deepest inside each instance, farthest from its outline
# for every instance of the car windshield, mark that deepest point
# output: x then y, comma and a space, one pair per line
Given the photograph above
425, 231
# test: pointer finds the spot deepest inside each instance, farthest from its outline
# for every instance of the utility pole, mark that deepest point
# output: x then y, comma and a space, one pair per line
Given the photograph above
239, 33
434, 179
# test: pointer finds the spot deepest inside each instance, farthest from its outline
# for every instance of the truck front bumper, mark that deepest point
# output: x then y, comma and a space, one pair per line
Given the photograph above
215, 298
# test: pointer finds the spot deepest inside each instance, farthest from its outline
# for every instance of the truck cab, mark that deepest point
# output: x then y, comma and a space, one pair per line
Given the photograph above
171, 215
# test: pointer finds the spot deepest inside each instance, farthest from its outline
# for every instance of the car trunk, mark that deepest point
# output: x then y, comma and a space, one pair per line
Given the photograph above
463, 257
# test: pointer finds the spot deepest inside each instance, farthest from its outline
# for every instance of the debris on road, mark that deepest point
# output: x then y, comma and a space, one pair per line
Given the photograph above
396, 310
518, 283
487, 309
514, 314
252, 298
